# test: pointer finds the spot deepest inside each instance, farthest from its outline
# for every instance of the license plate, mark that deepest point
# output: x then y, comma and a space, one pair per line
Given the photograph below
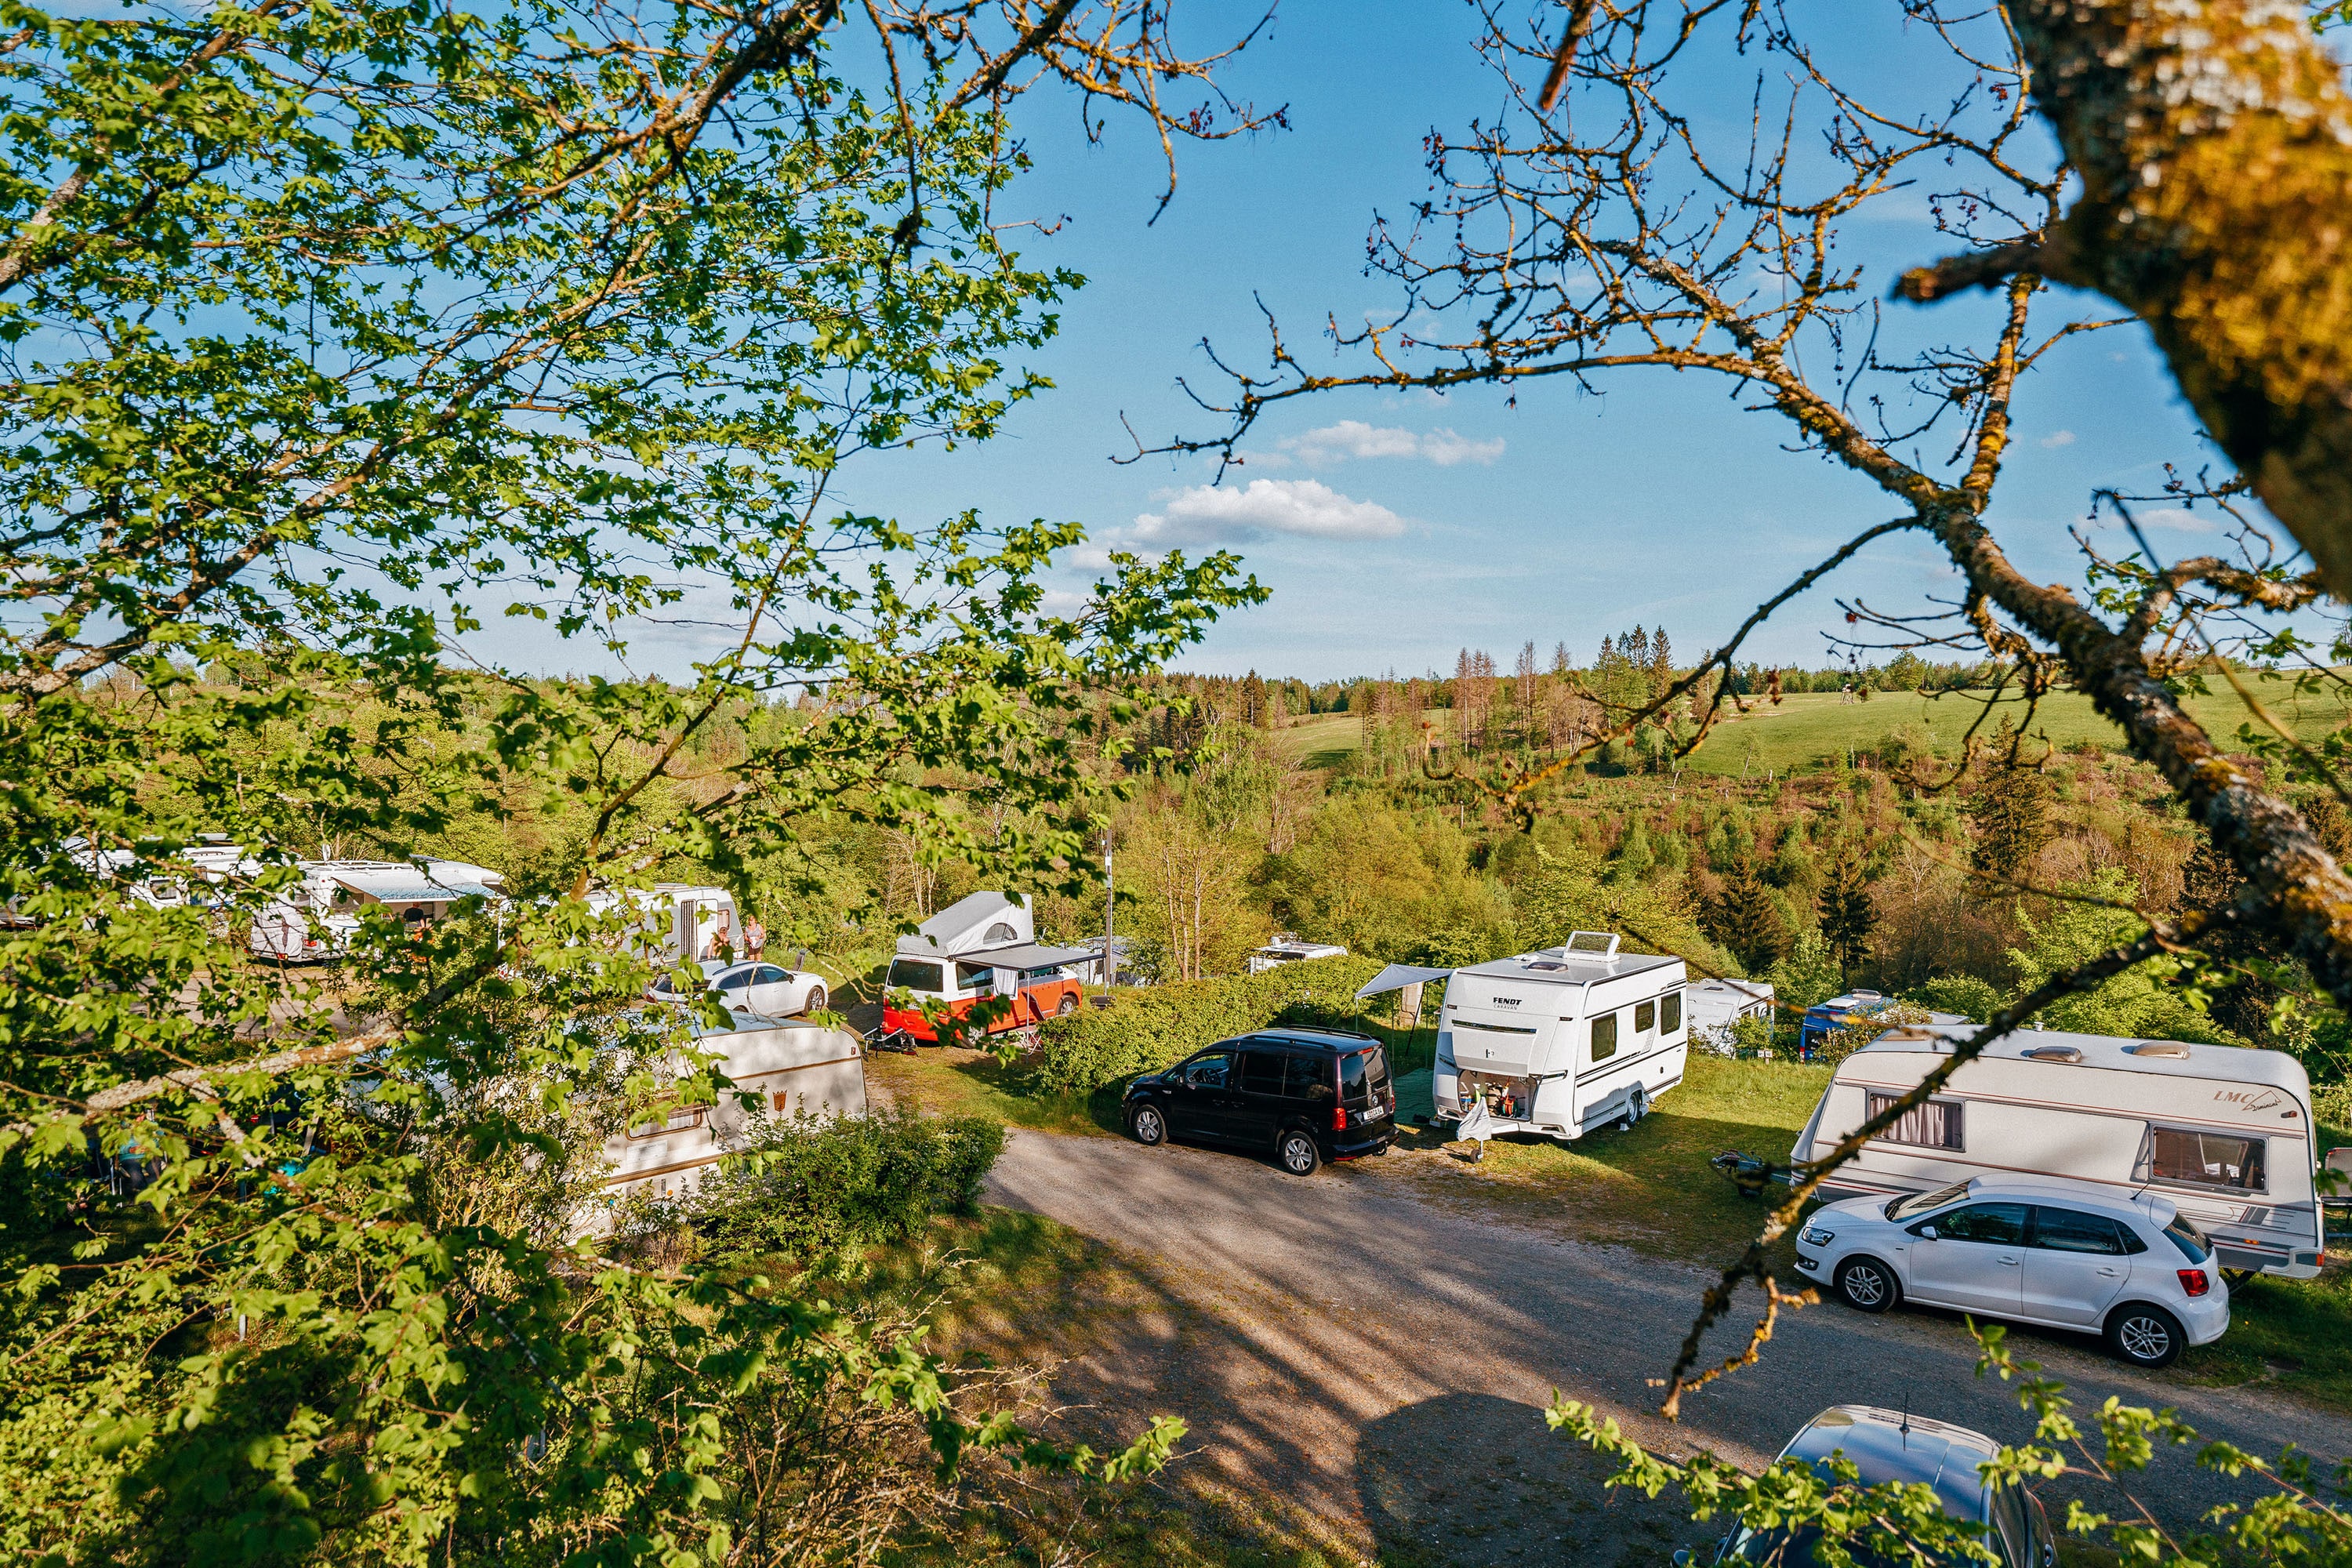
1377, 1113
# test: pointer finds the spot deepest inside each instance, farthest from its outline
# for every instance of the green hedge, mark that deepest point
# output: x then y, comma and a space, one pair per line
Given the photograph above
1149, 1027
805, 1188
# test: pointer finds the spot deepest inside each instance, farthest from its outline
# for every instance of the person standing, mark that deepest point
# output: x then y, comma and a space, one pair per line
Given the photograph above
755, 936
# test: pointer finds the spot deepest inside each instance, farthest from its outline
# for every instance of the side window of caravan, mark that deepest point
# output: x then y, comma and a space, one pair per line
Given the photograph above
1645, 1016
1670, 1011
2206, 1159
1934, 1125
1604, 1036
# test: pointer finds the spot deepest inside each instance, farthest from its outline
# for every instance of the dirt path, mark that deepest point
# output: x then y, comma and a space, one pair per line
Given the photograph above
1379, 1364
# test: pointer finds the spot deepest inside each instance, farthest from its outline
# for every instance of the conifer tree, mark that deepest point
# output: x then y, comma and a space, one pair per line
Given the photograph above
1742, 916
2011, 814
1848, 918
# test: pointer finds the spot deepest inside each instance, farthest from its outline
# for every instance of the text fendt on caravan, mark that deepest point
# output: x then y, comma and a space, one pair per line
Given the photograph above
2225, 1133
1556, 1042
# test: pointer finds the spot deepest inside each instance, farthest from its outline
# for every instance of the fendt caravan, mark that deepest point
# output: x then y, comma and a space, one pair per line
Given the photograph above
682, 923
2223, 1132
1562, 1041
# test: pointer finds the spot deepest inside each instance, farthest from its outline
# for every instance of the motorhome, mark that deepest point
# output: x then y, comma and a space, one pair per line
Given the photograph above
978, 948
317, 918
1715, 1005
1290, 950
794, 1065
2225, 1132
1561, 1041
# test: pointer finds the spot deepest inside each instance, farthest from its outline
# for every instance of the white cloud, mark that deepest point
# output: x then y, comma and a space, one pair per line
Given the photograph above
1087, 557
2059, 439
2176, 520
1204, 514
1354, 438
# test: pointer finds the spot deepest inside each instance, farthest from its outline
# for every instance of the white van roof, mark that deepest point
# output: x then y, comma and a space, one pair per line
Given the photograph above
1560, 966
406, 882
2170, 1058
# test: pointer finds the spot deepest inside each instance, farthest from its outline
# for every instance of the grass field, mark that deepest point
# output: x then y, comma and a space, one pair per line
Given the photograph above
1812, 726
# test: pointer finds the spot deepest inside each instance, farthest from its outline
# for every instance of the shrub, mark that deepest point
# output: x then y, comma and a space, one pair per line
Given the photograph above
804, 1187
1973, 999
1150, 1028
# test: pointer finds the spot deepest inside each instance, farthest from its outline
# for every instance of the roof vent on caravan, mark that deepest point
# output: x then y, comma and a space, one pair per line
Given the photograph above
2172, 1049
2057, 1054
1602, 942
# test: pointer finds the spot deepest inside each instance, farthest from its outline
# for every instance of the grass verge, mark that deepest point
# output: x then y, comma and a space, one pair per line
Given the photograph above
953, 1082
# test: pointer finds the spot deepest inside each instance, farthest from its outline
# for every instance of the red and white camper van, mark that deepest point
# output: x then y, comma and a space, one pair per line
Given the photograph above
975, 950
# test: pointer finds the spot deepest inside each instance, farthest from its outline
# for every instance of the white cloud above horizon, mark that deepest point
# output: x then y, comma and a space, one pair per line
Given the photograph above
2057, 438
1302, 508
1353, 438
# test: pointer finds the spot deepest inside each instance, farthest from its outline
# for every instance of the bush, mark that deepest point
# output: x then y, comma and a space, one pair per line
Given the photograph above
804, 1187
1973, 999
1149, 1028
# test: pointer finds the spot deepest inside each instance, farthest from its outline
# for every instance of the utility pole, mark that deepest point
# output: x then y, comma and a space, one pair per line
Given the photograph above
1110, 908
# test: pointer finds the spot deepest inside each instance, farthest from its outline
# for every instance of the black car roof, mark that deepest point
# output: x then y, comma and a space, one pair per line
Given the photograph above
1328, 1039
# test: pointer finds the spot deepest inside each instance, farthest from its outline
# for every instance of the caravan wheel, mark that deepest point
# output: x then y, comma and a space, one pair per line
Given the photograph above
1637, 1106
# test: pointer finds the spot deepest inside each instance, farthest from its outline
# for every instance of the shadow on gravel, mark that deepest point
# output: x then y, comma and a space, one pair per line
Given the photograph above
1472, 1480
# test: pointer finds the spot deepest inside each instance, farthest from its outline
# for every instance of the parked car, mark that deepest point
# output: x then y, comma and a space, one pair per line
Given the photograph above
1885, 1446
2057, 1254
1303, 1095
754, 986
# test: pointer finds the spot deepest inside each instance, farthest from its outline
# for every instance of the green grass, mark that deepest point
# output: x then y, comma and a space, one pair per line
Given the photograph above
1809, 727
951, 1082
1652, 1188
2296, 1334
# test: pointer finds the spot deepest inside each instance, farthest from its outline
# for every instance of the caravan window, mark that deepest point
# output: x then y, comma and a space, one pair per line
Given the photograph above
1645, 1016
1934, 1125
976, 979
1604, 1036
2206, 1159
1670, 1011
916, 976
679, 1121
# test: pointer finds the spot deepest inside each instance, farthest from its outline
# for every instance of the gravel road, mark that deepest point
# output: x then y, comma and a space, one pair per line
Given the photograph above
1346, 1349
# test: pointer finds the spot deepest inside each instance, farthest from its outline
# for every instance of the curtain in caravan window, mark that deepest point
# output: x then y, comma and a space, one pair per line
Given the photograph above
2206, 1159
1934, 1125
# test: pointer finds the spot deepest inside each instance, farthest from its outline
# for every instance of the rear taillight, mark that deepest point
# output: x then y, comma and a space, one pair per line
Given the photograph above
2194, 1282
1338, 1120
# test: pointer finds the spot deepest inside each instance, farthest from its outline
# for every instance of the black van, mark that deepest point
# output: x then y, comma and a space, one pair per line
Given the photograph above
1308, 1095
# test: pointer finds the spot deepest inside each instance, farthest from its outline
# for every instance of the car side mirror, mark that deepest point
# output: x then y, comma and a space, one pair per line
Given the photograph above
1682, 1557
1928, 1233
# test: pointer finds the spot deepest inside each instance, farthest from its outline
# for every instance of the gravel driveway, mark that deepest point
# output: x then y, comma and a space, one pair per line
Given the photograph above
1353, 1355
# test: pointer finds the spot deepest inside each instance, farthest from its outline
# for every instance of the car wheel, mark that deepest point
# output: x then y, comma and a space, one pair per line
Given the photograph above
2145, 1335
1298, 1153
1149, 1126
1066, 1006
1867, 1284
815, 1003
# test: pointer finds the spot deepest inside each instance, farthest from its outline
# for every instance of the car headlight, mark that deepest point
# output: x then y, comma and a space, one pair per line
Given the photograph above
1815, 1235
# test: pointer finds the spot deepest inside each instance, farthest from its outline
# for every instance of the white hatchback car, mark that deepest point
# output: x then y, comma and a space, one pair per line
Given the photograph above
752, 985
2038, 1251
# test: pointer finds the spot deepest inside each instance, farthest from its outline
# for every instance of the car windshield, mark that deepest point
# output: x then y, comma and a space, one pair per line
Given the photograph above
1920, 1202
1799, 1548
2191, 1241
916, 976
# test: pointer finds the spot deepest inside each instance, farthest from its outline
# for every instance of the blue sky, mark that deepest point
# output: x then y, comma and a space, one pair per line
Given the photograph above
1394, 529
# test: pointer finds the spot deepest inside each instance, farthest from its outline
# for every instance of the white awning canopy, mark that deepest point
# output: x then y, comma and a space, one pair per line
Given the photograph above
1397, 976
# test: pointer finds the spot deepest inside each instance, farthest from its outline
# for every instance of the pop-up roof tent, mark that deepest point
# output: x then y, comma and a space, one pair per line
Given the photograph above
972, 923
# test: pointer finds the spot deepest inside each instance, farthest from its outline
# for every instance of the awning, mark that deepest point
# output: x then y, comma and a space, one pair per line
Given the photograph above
1397, 976
1021, 956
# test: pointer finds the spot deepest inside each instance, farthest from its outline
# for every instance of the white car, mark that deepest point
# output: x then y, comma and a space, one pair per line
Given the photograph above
752, 985
2057, 1254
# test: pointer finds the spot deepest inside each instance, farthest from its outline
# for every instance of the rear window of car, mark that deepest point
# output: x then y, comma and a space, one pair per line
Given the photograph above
2192, 1241
1307, 1078
1362, 1073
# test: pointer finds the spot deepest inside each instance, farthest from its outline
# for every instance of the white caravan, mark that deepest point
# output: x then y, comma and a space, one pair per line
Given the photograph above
1290, 950
2223, 1132
1562, 1041
794, 1065
1716, 1005
684, 923
318, 918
